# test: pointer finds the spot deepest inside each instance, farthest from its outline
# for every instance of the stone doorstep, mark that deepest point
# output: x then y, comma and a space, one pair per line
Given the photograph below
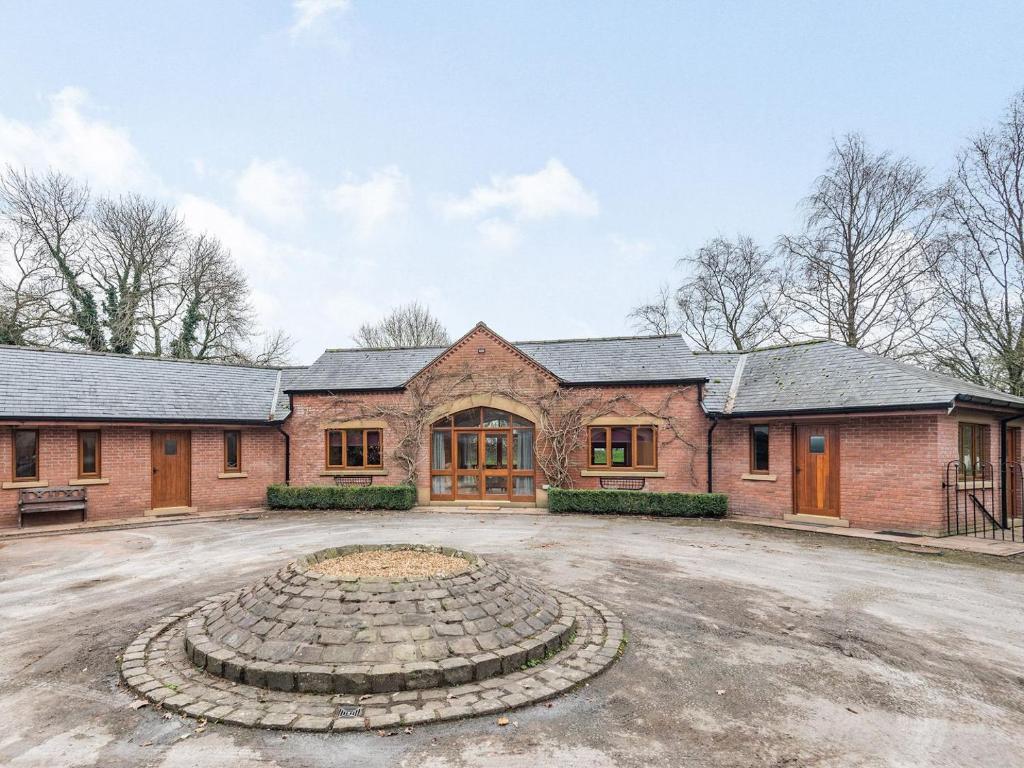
817, 520
170, 511
546, 680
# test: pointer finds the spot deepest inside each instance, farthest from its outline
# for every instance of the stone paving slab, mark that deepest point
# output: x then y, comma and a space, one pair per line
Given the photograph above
160, 671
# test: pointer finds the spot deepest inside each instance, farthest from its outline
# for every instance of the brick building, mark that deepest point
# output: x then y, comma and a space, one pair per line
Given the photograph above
817, 431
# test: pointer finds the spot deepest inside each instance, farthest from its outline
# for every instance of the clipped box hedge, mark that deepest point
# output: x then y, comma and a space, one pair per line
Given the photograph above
637, 503
341, 497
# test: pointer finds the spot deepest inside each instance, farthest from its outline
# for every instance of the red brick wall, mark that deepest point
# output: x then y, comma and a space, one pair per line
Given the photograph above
262, 462
892, 472
891, 468
126, 462
731, 461
497, 370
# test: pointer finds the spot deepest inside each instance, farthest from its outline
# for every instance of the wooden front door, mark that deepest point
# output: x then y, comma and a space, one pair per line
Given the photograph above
172, 462
1013, 473
816, 470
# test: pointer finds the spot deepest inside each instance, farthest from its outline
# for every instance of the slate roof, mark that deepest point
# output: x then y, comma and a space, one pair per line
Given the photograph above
619, 359
718, 368
574, 361
289, 375
814, 377
50, 384
363, 369
827, 376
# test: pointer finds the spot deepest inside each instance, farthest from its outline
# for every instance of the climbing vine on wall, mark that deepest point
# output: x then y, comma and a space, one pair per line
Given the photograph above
561, 430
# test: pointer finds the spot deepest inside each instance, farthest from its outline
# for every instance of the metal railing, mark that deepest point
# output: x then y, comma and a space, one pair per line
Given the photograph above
974, 506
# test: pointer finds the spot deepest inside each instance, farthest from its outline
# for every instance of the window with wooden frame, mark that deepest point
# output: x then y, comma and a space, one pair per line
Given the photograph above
232, 450
89, 453
25, 455
627, 447
974, 448
759, 449
353, 449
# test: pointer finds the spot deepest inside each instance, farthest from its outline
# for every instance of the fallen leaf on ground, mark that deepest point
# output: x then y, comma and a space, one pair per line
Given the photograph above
138, 704
502, 721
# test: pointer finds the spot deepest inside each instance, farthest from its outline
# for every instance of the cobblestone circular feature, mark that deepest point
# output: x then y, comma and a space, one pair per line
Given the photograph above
394, 563
308, 650
300, 630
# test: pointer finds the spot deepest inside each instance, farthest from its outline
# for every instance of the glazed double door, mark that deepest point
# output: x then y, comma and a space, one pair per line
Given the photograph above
482, 467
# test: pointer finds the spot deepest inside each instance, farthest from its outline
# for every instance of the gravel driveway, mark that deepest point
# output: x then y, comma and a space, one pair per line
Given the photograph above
748, 647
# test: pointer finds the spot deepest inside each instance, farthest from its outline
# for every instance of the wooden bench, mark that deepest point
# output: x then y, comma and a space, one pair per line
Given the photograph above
55, 499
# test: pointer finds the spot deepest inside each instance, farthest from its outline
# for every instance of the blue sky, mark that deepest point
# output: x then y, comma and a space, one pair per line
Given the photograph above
538, 166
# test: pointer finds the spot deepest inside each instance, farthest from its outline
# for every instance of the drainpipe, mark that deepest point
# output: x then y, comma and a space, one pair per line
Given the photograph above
287, 446
711, 483
1002, 468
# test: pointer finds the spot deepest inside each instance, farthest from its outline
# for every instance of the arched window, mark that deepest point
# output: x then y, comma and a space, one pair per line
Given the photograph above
482, 453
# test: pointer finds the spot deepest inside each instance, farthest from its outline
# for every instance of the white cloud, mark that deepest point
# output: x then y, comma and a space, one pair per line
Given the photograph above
310, 13
551, 191
370, 204
499, 234
284, 279
251, 248
274, 189
633, 248
70, 140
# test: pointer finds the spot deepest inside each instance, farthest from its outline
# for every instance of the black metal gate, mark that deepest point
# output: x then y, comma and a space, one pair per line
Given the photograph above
971, 501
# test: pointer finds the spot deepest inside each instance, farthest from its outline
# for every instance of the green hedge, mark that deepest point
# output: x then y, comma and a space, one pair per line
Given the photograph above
341, 497
638, 503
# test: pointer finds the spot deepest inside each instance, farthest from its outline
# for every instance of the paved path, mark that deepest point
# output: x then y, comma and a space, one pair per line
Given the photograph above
747, 647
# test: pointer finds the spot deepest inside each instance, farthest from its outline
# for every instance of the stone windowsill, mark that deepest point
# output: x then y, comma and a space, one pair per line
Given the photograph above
765, 478
351, 472
89, 481
619, 473
25, 484
231, 475
972, 485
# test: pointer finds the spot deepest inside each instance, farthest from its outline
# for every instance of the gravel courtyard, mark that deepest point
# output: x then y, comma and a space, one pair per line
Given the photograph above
747, 647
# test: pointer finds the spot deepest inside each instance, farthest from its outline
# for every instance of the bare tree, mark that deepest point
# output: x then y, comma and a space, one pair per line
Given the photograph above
733, 296
135, 245
123, 275
861, 265
274, 349
51, 210
981, 275
660, 316
216, 312
410, 325
28, 293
